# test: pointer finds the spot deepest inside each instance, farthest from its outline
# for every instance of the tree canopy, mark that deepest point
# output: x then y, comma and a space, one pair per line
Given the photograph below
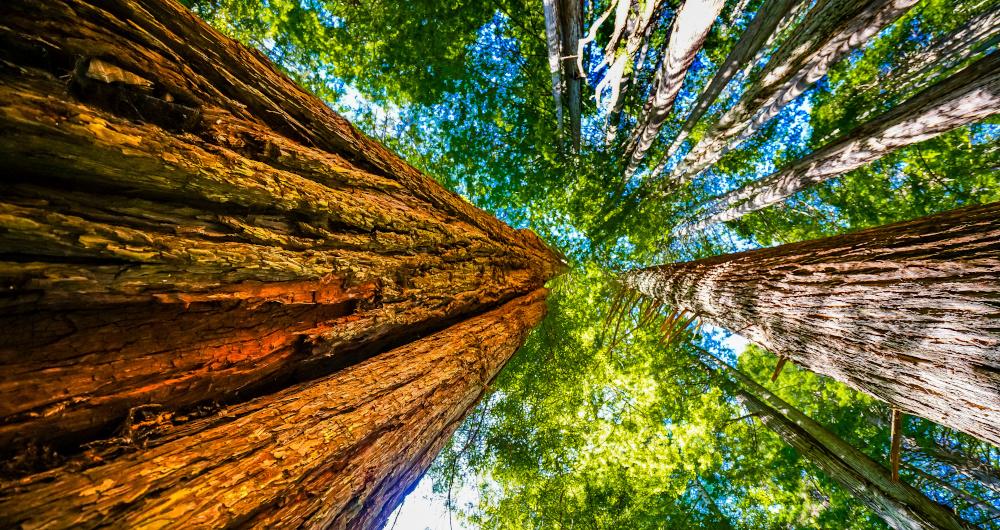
598, 422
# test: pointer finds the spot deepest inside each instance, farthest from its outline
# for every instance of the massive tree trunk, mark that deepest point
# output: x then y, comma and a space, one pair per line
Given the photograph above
571, 15
180, 224
831, 29
906, 312
758, 33
966, 97
898, 504
339, 452
690, 28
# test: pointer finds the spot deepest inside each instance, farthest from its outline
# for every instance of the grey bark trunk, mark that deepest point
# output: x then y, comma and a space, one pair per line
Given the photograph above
898, 504
571, 15
553, 44
905, 312
757, 34
830, 30
690, 28
966, 97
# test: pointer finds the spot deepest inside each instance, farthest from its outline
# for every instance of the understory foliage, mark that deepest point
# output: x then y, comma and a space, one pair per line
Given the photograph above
590, 428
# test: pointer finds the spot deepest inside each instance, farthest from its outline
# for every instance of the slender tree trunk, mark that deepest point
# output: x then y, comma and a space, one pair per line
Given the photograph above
966, 97
963, 464
340, 452
571, 13
922, 65
552, 41
905, 312
831, 29
757, 34
898, 504
687, 35
989, 512
181, 224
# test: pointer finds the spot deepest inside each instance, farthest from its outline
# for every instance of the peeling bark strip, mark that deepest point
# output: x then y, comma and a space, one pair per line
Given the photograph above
831, 29
901, 506
966, 97
180, 223
905, 312
340, 452
687, 35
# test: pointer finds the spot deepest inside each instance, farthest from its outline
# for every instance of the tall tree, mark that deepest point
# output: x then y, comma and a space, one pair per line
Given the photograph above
966, 97
571, 29
339, 452
898, 504
691, 25
552, 44
182, 228
905, 312
771, 15
830, 30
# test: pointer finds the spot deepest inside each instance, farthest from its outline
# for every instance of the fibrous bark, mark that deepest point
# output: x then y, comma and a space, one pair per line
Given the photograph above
906, 312
966, 97
339, 452
898, 504
687, 35
830, 30
180, 223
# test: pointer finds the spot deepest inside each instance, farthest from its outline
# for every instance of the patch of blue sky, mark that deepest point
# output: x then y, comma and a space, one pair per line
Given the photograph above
318, 7
985, 133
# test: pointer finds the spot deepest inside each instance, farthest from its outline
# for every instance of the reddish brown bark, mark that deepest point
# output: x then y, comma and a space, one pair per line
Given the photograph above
340, 452
905, 312
180, 223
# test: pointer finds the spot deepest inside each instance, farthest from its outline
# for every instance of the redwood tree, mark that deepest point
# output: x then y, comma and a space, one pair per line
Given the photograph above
905, 312
183, 228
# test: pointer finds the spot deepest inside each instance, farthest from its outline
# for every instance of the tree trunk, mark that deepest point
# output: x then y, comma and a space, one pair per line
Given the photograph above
572, 29
905, 312
899, 505
182, 224
340, 452
964, 464
831, 29
552, 43
757, 34
922, 65
966, 97
691, 25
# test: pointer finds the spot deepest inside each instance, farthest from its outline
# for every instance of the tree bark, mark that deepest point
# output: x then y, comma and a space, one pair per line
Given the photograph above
966, 97
898, 504
691, 25
182, 224
830, 30
905, 312
571, 13
340, 452
552, 42
757, 34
